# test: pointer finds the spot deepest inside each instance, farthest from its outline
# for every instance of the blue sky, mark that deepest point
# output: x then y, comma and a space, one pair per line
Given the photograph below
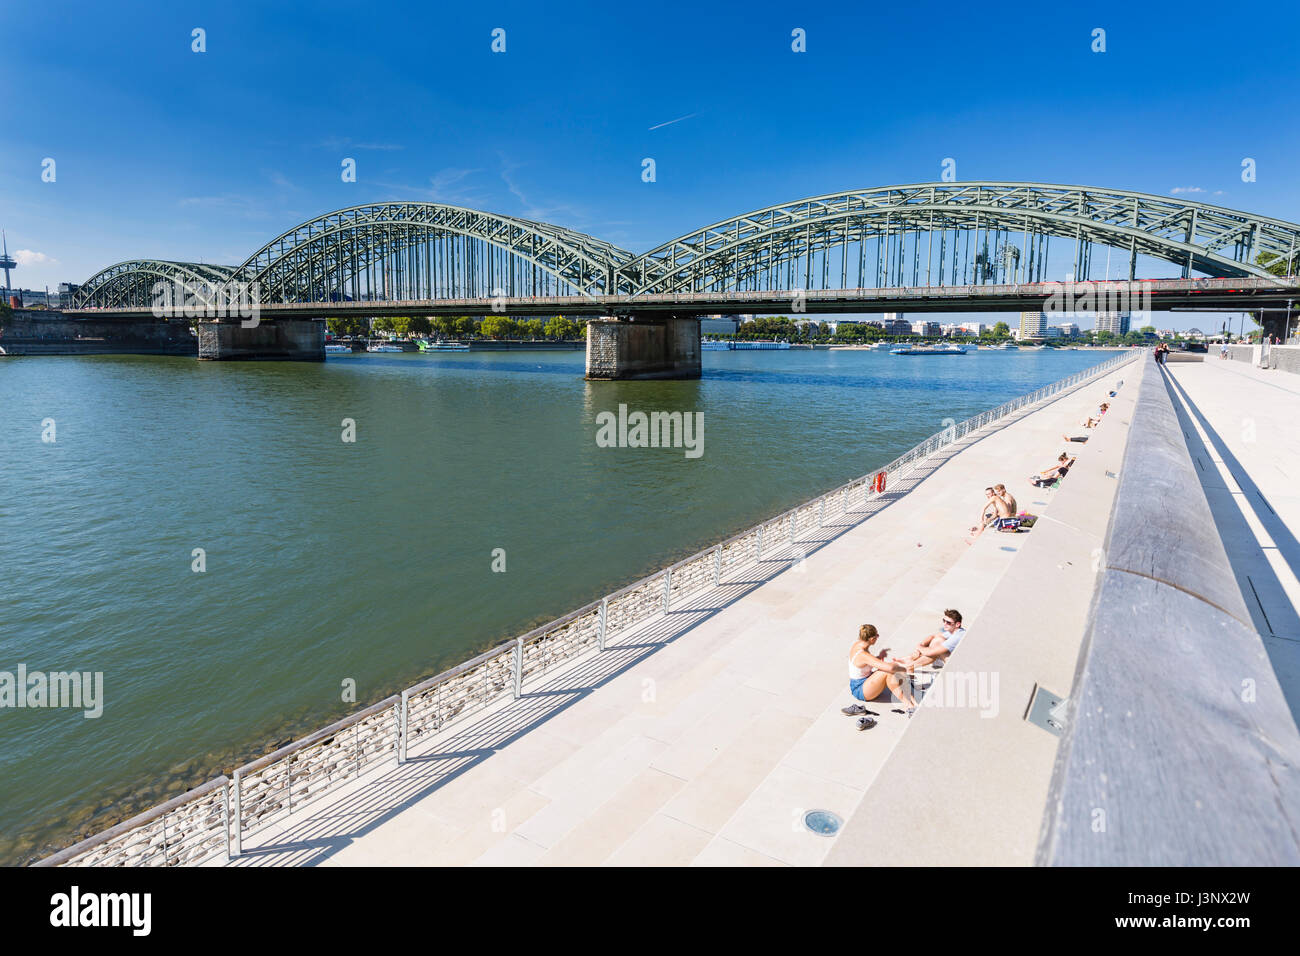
163, 152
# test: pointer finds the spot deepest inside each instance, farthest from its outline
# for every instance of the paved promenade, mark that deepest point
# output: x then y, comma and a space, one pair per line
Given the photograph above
1241, 425
704, 736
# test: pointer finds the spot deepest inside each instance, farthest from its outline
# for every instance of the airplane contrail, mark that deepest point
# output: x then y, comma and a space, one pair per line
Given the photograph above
678, 120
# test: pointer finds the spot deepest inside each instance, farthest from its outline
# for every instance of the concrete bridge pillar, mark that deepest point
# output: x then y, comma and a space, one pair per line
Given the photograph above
643, 345
282, 340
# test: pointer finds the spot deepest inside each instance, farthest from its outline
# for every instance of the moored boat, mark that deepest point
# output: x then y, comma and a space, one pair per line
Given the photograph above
929, 350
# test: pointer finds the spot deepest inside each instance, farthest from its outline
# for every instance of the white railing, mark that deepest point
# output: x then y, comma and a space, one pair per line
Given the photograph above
214, 817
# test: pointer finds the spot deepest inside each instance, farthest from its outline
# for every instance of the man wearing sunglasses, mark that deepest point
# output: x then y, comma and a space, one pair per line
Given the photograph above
937, 646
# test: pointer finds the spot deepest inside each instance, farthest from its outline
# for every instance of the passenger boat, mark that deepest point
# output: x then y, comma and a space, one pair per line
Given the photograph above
336, 349
1002, 347
929, 350
715, 345
383, 348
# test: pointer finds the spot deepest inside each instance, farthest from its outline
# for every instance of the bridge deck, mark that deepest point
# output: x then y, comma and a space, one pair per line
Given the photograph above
702, 737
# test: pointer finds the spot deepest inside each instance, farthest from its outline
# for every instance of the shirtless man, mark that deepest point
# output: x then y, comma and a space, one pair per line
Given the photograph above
1007, 520
988, 515
998, 510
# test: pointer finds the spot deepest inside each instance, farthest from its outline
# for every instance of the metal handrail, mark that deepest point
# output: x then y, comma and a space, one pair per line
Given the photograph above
899, 468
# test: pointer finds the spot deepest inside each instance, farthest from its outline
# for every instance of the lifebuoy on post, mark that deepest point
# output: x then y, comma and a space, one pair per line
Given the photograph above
879, 483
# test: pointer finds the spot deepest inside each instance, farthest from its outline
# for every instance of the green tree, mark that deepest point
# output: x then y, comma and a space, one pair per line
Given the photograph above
1001, 331
498, 327
1278, 264
420, 325
558, 327
382, 324
464, 325
532, 328
345, 325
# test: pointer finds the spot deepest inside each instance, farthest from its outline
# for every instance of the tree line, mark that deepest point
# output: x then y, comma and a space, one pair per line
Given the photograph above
558, 327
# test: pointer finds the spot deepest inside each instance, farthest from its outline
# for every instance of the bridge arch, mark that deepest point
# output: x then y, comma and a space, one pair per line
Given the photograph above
974, 232
130, 284
422, 250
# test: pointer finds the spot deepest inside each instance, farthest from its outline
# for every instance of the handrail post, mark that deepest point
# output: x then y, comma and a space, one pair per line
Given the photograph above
225, 808
758, 550
821, 512
519, 666
668, 587
717, 566
604, 616
792, 516
402, 725
239, 814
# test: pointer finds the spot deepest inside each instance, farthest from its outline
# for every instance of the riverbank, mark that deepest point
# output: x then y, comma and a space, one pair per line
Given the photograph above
791, 424
704, 735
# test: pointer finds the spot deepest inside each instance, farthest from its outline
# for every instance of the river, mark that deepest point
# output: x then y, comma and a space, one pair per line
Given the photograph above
325, 561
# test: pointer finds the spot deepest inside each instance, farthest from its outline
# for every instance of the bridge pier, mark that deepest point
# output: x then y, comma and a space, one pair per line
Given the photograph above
283, 340
643, 345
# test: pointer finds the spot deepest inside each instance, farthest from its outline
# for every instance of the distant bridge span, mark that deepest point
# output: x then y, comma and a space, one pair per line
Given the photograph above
922, 247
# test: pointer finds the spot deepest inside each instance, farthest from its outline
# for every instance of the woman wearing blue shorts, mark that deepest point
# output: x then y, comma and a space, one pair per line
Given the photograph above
869, 675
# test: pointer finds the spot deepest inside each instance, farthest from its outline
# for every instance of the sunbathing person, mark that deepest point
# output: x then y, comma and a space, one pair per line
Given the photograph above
1008, 514
1056, 472
869, 675
937, 646
987, 516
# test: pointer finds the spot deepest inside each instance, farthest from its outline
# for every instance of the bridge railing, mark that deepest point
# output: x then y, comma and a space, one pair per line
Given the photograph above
215, 817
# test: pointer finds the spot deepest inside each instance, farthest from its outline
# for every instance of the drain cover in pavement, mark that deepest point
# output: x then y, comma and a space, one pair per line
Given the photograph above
822, 822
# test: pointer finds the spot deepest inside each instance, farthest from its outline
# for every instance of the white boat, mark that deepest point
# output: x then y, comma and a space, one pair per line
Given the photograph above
1003, 347
714, 345
929, 350
336, 349
880, 346
383, 348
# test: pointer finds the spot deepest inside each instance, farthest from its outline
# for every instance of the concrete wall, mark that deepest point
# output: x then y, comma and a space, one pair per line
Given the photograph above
285, 340
1284, 357
34, 332
1180, 748
643, 348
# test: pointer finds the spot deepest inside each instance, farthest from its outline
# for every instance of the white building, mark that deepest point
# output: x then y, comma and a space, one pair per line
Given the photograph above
1115, 322
1033, 325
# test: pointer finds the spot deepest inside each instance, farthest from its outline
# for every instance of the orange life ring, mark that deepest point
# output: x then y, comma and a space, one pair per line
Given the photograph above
879, 484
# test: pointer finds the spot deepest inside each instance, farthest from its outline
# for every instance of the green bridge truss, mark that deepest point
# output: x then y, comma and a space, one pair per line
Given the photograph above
926, 234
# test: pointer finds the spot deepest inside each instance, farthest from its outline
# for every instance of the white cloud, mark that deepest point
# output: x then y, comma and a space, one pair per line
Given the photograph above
26, 257
1186, 189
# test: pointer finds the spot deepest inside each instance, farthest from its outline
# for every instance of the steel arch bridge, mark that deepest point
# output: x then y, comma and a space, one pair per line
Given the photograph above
926, 234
